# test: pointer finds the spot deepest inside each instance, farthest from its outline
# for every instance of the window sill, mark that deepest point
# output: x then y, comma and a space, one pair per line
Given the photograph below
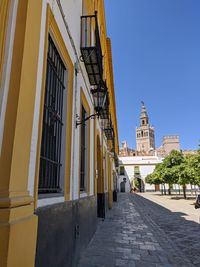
83, 194
50, 199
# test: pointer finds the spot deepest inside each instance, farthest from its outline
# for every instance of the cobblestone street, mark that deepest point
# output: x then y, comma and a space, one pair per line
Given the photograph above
139, 232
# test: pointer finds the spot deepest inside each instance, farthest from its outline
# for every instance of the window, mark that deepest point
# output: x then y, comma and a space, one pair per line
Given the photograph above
83, 167
52, 141
137, 170
122, 170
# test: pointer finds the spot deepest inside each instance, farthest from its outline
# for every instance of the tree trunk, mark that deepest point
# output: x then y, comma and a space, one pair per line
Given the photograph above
184, 191
164, 190
169, 190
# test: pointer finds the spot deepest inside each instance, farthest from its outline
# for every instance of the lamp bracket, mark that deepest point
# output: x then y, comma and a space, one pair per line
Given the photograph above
92, 116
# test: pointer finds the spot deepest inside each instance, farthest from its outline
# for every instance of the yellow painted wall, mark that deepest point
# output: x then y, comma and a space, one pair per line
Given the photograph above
4, 14
18, 224
51, 26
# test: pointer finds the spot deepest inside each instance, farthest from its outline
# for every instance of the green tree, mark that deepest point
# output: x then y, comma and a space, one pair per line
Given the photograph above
176, 168
185, 174
170, 171
156, 176
195, 166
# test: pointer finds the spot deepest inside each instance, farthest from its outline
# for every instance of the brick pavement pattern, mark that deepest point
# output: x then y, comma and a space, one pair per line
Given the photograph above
139, 233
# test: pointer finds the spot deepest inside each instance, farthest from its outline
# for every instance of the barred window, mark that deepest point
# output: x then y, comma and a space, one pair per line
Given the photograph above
122, 171
83, 167
50, 154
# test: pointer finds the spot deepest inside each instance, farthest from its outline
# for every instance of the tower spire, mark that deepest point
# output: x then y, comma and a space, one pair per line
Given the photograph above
144, 119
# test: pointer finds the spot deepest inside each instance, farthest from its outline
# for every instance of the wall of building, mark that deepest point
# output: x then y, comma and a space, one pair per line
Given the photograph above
49, 229
170, 143
146, 166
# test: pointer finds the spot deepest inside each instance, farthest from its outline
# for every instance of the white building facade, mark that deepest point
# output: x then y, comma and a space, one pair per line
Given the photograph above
133, 171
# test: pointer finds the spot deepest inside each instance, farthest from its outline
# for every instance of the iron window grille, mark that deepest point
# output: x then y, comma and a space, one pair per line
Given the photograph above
83, 168
121, 170
50, 155
91, 48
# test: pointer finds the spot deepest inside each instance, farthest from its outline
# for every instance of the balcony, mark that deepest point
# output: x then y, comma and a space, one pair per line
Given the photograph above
91, 48
104, 113
116, 160
108, 129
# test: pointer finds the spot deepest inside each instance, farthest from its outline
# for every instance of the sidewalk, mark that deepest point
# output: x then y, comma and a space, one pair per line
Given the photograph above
131, 238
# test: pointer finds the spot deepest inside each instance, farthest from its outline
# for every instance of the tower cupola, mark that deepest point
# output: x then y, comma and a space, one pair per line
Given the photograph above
144, 119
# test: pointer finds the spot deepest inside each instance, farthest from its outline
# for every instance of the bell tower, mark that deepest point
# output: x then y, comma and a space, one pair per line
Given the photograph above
145, 140
144, 119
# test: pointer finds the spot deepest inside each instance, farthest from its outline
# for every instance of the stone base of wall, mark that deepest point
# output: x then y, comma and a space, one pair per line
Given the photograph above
64, 231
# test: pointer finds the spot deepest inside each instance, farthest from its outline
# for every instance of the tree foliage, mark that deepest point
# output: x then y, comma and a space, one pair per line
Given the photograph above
177, 169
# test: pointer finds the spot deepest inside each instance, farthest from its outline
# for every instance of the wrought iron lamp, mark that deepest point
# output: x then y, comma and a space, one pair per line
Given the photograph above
100, 96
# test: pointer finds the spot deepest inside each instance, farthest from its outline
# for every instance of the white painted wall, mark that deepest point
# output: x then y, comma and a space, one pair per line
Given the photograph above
146, 166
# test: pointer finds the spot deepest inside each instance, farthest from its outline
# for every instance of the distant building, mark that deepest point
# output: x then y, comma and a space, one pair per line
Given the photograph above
145, 139
171, 142
136, 164
133, 171
125, 151
189, 152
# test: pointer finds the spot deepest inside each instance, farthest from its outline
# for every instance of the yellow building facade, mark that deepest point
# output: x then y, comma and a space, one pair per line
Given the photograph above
57, 146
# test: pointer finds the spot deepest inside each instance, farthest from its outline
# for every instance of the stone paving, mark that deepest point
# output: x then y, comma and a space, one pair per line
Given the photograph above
140, 233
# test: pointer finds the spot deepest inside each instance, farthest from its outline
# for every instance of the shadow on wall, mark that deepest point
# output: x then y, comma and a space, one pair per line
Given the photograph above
124, 183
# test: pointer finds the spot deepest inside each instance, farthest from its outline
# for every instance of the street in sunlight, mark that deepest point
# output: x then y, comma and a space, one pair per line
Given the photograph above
146, 230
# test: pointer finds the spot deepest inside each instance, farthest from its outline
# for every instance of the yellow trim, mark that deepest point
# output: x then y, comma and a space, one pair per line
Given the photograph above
89, 6
4, 12
111, 91
84, 103
18, 224
52, 28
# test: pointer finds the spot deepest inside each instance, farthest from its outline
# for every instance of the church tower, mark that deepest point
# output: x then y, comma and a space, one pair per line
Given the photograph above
145, 140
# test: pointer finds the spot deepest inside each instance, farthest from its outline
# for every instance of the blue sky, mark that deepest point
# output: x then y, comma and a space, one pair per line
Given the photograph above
156, 58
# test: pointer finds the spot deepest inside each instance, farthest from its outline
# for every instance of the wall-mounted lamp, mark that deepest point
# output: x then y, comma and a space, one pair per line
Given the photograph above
100, 98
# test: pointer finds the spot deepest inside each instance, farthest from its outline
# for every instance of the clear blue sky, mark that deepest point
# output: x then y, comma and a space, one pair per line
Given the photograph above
156, 58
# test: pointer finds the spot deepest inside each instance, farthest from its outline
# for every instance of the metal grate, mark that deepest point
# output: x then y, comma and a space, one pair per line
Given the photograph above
108, 129
83, 152
50, 156
91, 48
